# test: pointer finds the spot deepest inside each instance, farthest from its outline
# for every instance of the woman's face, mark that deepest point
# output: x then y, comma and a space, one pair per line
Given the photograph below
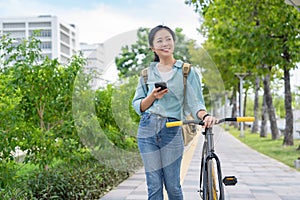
163, 43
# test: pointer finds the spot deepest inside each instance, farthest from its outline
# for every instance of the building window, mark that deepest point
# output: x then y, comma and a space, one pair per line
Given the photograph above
64, 38
65, 49
15, 34
41, 33
64, 28
13, 25
47, 55
73, 43
64, 59
46, 45
39, 24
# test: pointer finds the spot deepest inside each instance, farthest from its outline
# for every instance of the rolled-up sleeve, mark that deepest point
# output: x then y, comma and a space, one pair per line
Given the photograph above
140, 94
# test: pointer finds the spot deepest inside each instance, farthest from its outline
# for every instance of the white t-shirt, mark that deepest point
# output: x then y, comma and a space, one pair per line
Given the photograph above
166, 75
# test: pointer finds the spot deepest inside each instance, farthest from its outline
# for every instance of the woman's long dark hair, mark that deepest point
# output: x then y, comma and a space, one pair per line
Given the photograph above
152, 34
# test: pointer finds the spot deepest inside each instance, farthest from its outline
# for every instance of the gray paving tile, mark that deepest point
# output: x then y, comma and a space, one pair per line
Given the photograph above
259, 177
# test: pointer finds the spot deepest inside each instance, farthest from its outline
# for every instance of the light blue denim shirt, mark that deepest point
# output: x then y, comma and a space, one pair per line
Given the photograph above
171, 103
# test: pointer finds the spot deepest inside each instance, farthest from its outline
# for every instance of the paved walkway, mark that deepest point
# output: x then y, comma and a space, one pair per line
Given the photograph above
259, 177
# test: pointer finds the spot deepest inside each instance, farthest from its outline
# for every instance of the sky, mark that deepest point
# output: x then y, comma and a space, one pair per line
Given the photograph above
99, 20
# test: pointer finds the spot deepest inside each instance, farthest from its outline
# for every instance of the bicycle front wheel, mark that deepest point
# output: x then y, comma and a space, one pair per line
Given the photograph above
208, 178
211, 181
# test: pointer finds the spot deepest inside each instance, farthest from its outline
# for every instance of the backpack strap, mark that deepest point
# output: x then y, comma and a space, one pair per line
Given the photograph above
186, 68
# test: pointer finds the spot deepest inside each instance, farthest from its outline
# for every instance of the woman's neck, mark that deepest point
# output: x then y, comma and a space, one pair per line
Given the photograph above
166, 65
167, 62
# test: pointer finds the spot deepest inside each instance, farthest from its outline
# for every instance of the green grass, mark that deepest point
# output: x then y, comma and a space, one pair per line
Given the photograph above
269, 147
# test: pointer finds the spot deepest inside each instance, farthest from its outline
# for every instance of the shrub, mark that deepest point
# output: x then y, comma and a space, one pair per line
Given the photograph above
84, 180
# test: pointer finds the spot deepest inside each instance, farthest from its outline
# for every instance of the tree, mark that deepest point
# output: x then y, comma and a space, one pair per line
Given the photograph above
271, 110
138, 56
264, 117
256, 105
10, 122
133, 58
262, 31
43, 89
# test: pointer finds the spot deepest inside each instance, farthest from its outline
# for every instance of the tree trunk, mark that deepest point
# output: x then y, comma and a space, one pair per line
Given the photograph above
271, 110
234, 107
256, 105
264, 118
245, 107
288, 134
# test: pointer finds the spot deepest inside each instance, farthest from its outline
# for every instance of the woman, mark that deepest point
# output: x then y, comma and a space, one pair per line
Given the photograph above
161, 148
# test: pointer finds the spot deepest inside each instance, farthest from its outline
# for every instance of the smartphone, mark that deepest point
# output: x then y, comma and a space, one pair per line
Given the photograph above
162, 85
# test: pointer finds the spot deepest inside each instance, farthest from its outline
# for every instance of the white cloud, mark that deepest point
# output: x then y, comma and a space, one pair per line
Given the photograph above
101, 23
104, 22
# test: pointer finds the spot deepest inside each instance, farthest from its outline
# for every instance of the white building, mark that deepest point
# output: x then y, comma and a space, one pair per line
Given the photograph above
59, 39
95, 62
101, 57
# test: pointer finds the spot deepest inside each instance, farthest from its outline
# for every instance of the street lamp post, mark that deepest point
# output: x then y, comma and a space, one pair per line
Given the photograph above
241, 76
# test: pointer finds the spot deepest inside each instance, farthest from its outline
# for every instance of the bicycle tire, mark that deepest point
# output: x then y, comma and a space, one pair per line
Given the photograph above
201, 184
208, 181
211, 181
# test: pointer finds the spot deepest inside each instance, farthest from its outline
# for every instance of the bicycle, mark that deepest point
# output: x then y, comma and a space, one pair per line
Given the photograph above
211, 187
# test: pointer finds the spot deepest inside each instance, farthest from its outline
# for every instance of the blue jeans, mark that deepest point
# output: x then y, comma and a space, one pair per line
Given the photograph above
161, 149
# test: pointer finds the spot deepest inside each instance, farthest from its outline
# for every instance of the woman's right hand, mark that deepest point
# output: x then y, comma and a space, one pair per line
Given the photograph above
158, 94
148, 101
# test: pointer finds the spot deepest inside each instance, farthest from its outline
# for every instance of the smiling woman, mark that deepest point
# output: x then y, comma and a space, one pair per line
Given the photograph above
161, 148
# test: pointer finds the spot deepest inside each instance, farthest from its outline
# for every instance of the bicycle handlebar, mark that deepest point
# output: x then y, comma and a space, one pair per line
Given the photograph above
237, 119
200, 122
